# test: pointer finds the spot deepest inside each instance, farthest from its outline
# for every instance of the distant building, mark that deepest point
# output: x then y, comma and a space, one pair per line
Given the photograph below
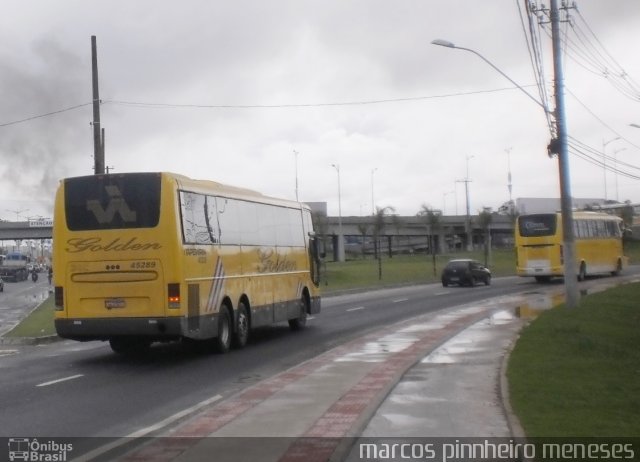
319, 208
528, 205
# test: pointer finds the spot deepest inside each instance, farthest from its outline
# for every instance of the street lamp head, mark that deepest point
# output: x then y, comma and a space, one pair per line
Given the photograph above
443, 43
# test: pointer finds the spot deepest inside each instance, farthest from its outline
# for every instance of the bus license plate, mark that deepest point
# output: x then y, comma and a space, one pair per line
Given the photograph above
114, 303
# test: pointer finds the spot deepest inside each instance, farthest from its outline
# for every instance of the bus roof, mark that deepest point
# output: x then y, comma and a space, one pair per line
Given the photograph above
582, 214
209, 186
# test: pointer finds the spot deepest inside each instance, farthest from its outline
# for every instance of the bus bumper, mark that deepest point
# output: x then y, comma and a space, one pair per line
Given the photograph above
104, 328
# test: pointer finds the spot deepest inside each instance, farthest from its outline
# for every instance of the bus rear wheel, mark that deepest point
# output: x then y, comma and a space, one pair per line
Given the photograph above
241, 332
582, 273
222, 342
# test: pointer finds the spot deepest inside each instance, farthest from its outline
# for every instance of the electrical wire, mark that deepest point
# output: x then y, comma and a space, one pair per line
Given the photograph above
148, 105
6, 124
303, 105
534, 44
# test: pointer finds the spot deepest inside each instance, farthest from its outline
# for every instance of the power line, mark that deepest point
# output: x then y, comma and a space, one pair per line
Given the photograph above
302, 105
604, 124
6, 124
150, 105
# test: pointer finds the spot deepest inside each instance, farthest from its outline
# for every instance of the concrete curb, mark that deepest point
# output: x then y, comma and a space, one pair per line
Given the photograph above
30, 340
503, 391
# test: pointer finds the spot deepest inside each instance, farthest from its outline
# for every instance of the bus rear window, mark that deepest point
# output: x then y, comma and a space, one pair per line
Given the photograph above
537, 225
112, 201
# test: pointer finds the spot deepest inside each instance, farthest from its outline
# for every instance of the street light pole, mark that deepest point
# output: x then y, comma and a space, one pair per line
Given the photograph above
569, 263
468, 219
373, 202
604, 162
295, 154
340, 253
615, 169
446, 43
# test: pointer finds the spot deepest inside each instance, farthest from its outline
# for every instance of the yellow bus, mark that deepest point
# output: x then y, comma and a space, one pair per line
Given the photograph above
145, 257
598, 242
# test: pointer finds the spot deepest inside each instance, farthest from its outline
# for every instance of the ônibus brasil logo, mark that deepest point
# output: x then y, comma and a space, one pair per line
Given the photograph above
30, 449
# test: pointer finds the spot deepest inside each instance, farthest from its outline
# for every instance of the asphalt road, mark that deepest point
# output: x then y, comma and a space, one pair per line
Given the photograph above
19, 298
70, 389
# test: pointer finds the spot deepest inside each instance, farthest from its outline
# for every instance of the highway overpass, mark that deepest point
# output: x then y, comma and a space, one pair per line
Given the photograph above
25, 230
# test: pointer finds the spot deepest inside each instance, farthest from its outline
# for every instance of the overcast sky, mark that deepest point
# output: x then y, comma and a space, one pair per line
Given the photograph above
246, 83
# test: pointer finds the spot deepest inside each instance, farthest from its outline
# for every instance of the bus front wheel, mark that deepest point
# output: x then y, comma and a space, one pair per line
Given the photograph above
618, 269
301, 321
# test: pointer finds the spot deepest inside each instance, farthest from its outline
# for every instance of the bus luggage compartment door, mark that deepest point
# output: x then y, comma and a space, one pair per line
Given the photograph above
115, 289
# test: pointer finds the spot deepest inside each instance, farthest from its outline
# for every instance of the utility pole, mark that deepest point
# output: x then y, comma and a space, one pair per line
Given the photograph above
98, 147
570, 282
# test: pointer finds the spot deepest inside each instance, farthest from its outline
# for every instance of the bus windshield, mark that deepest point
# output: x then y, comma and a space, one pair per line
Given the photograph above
112, 201
537, 225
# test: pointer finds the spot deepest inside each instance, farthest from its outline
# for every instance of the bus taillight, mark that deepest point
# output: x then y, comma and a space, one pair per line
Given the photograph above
174, 295
59, 298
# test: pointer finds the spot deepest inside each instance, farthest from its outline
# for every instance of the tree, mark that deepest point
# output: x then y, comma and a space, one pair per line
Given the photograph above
627, 214
363, 228
433, 221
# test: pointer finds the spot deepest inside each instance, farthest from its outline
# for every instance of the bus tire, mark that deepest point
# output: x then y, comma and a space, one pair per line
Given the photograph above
241, 331
222, 342
582, 273
301, 321
618, 269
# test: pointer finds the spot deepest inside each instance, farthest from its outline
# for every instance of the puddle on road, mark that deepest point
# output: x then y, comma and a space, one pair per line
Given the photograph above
36, 298
378, 351
502, 317
531, 307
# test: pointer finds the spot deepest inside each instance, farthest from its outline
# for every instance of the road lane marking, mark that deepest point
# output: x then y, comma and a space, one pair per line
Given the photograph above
7, 352
145, 431
357, 308
442, 293
174, 417
64, 379
400, 300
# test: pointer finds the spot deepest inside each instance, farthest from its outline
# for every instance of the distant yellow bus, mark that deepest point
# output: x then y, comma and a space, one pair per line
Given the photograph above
145, 257
598, 242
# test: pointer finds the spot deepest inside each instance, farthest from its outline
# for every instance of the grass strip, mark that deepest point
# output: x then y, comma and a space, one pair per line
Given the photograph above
576, 372
38, 324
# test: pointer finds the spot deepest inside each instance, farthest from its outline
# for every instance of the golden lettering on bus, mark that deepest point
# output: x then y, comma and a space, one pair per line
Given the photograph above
271, 261
96, 244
